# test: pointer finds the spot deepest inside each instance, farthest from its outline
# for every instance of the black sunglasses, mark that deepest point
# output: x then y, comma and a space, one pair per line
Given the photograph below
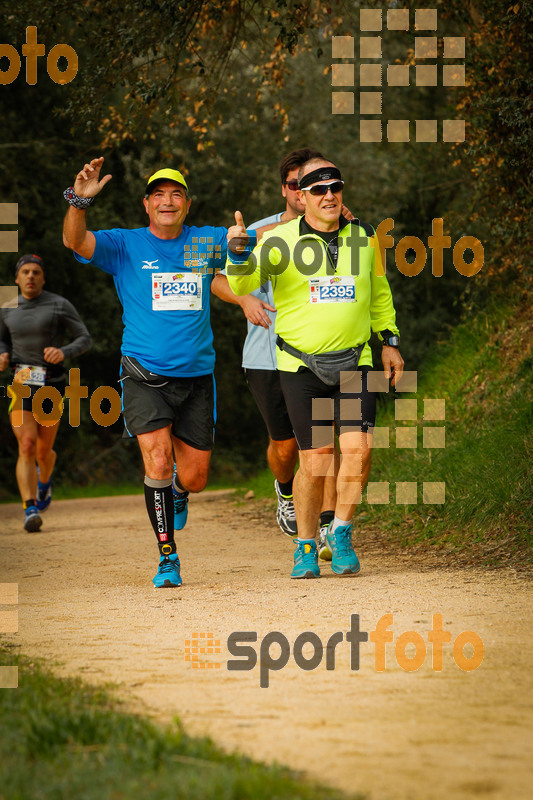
293, 185
323, 188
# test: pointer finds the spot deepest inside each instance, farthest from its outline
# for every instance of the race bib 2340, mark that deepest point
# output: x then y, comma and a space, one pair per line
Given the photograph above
173, 291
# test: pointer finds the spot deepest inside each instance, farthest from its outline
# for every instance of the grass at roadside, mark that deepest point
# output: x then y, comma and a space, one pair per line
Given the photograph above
76, 492
63, 739
260, 483
483, 374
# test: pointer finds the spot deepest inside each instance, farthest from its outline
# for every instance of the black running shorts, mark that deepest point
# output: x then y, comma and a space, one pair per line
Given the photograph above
312, 422
47, 403
265, 386
187, 404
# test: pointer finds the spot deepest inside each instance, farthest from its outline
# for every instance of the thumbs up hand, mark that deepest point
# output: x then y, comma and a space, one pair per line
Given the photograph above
237, 235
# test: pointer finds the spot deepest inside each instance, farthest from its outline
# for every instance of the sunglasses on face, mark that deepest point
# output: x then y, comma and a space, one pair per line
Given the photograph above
293, 185
323, 188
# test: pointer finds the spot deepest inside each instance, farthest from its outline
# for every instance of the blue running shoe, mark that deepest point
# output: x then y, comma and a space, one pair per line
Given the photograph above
344, 561
181, 502
305, 559
168, 573
32, 520
44, 495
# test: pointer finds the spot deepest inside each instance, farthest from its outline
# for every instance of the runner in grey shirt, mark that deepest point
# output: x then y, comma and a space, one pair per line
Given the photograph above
34, 333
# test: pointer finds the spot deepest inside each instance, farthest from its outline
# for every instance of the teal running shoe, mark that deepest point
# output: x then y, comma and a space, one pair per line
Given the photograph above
181, 503
344, 561
168, 573
305, 559
44, 495
32, 520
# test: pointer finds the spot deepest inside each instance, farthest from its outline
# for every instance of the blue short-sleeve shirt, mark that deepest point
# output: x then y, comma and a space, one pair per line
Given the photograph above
164, 287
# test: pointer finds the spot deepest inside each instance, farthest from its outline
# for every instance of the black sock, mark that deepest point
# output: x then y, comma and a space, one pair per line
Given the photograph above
27, 503
286, 488
326, 517
160, 507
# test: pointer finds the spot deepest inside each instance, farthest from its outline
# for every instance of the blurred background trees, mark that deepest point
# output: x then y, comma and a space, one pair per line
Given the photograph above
222, 90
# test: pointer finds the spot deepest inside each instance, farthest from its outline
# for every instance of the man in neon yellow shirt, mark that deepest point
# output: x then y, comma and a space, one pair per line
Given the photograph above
330, 292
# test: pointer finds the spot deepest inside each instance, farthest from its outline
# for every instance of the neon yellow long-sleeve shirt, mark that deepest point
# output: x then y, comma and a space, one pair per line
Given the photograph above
320, 308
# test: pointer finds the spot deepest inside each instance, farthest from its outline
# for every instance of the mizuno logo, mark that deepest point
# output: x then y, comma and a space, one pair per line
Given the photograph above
150, 264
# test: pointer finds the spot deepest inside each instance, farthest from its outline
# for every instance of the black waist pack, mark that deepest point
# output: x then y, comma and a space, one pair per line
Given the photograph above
326, 366
130, 368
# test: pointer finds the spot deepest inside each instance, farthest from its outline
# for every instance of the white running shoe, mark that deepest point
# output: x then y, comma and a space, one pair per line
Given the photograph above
285, 513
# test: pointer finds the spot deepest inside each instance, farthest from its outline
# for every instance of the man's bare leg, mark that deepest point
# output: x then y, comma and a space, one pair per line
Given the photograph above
46, 455
26, 469
309, 488
158, 457
282, 457
352, 478
192, 465
156, 450
353, 472
329, 501
25, 429
46, 459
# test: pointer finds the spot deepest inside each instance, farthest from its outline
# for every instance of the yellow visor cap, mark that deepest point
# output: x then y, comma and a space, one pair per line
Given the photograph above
165, 175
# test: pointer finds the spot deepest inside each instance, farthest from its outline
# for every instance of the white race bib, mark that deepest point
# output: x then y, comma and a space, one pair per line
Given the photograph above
37, 374
173, 291
332, 289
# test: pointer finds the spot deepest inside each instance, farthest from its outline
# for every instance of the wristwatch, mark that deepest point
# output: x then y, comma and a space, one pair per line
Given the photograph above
389, 338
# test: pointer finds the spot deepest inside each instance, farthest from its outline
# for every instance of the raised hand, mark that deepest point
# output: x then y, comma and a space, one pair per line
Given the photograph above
237, 235
87, 182
346, 213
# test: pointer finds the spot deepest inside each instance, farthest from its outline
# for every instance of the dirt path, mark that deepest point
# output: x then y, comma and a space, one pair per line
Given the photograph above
86, 601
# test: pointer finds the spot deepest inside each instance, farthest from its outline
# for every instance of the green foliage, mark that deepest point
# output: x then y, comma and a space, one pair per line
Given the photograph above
222, 93
498, 157
484, 374
63, 739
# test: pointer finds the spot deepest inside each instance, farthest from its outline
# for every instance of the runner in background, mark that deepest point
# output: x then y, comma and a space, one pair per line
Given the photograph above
33, 333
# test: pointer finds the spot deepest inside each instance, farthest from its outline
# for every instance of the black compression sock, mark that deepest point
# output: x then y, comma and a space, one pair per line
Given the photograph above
286, 488
160, 508
326, 517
